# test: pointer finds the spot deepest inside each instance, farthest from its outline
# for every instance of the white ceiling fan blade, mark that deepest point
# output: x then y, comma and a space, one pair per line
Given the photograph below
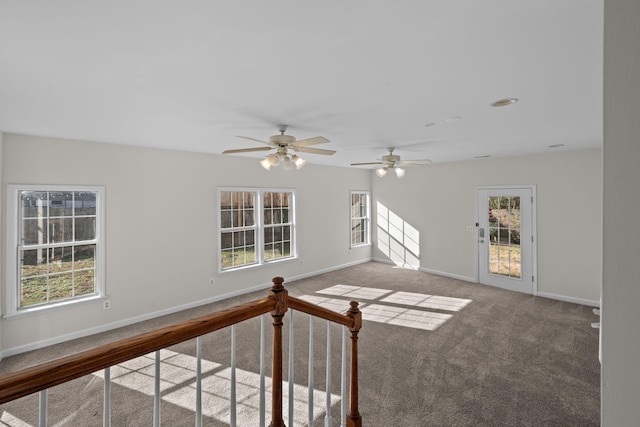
246, 150
313, 150
415, 162
254, 139
310, 141
367, 163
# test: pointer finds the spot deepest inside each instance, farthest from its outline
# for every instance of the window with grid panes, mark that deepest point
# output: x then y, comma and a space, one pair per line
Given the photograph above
277, 225
256, 227
56, 246
237, 229
360, 218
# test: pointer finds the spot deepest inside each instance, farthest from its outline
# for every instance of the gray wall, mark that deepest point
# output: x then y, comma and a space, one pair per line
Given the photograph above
621, 243
439, 202
161, 221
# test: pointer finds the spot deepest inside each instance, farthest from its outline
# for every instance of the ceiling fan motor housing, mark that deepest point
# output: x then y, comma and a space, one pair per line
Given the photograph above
391, 159
281, 139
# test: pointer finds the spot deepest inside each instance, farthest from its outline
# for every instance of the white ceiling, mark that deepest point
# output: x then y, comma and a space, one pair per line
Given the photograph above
191, 75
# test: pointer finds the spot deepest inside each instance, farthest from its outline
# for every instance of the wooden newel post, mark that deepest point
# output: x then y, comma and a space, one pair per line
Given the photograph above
353, 418
279, 309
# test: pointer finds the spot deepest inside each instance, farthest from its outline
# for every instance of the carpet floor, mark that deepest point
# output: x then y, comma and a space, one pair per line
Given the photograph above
434, 351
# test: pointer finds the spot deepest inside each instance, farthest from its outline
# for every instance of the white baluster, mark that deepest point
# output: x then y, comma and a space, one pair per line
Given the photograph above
343, 380
291, 367
310, 370
106, 406
233, 376
199, 382
327, 416
42, 410
262, 373
156, 393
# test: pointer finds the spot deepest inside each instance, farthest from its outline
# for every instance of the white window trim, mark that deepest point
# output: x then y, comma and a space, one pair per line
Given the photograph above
11, 306
368, 218
259, 226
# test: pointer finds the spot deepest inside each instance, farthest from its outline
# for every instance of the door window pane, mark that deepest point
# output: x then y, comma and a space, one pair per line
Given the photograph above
504, 236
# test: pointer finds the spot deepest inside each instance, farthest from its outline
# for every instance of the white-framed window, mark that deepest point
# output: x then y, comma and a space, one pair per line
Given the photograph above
277, 217
55, 246
237, 228
360, 218
256, 226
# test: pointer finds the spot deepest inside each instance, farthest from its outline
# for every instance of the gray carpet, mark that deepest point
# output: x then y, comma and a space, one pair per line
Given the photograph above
434, 351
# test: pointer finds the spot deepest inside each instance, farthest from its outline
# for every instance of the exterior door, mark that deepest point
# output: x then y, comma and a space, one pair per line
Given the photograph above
506, 247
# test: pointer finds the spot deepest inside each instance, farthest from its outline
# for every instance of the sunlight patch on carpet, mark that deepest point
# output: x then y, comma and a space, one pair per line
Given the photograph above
333, 304
409, 309
417, 319
178, 387
427, 301
355, 292
9, 420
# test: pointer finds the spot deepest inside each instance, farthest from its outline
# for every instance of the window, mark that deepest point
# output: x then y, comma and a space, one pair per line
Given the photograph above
256, 227
55, 243
237, 228
277, 225
360, 218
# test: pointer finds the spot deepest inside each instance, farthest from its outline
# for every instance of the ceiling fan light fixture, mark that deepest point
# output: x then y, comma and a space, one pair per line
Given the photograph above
284, 144
381, 171
287, 163
265, 163
298, 161
273, 159
392, 161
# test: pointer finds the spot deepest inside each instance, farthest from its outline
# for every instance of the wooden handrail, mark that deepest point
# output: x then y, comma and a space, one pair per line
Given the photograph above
316, 310
34, 379
46, 375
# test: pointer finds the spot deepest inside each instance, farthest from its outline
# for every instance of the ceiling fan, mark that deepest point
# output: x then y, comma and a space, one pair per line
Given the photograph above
392, 161
282, 144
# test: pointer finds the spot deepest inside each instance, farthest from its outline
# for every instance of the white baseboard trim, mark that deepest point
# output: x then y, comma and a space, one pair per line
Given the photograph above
325, 270
574, 300
126, 322
564, 298
453, 276
430, 271
388, 261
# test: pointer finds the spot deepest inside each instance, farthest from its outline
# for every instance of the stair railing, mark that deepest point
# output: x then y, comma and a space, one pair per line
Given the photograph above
39, 378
